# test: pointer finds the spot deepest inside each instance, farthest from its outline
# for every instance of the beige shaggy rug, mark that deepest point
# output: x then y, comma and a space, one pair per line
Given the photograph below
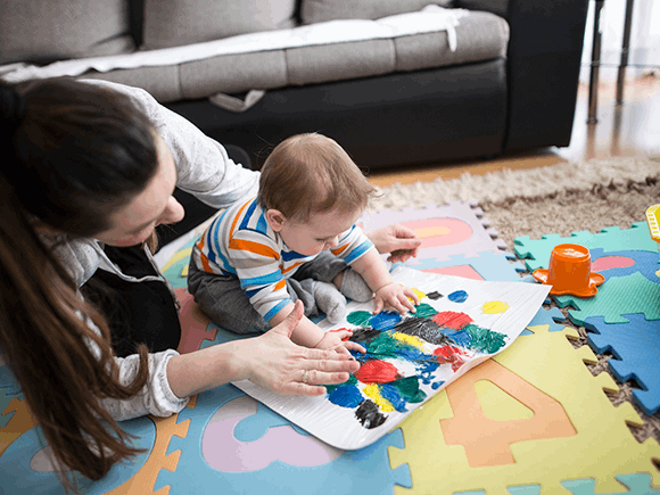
556, 199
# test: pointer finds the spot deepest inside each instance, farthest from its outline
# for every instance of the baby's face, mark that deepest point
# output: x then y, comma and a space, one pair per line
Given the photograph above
321, 232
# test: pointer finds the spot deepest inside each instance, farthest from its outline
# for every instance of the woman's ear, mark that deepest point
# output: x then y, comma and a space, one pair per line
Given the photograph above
276, 219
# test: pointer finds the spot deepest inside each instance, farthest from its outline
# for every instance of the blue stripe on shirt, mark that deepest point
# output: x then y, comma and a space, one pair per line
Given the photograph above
262, 225
271, 278
276, 309
248, 215
358, 251
292, 255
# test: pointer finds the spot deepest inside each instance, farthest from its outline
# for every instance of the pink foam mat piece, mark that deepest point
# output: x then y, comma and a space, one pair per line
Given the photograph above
455, 228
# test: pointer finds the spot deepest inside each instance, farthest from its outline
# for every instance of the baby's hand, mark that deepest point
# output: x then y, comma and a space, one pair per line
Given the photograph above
396, 296
338, 340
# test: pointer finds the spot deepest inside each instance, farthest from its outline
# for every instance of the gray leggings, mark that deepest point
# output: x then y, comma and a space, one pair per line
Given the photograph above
225, 302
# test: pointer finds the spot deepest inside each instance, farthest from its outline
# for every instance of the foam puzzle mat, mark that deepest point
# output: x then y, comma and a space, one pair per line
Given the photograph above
624, 317
533, 420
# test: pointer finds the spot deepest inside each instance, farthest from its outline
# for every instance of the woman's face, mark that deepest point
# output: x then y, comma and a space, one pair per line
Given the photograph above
134, 222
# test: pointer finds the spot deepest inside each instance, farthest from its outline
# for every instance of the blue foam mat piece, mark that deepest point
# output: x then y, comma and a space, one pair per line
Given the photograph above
636, 349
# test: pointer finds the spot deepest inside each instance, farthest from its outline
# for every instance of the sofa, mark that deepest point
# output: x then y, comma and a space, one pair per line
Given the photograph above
396, 83
508, 85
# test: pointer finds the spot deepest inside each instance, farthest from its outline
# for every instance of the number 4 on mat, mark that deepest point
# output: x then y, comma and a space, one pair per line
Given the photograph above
486, 441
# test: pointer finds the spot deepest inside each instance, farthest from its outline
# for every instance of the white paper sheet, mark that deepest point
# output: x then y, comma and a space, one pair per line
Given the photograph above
505, 308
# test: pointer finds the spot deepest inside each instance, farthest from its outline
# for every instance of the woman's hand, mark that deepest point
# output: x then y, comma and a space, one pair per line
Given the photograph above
275, 363
396, 239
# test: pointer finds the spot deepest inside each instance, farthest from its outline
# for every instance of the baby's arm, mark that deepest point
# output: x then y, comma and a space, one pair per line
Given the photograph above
378, 278
308, 334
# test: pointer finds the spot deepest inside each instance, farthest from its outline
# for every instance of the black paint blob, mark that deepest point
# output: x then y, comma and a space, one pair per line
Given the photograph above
369, 415
364, 334
424, 329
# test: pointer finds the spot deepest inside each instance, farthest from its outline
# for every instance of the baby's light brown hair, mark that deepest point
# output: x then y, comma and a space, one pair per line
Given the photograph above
310, 173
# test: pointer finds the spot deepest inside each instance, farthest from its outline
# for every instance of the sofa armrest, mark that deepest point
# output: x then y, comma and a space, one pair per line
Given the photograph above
544, 54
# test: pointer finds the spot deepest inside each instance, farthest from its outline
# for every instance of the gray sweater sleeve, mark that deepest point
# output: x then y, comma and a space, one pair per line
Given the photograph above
204, 169
155, 398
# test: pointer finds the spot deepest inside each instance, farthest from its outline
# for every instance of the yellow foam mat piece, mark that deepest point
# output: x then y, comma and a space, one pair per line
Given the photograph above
575, 432
20, 422
144, 480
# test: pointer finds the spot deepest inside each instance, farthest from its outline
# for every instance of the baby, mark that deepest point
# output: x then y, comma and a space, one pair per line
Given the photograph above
296, 240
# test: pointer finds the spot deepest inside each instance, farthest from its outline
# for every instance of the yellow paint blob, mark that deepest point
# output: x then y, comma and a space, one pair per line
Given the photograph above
657, 274
373, 392
494, 307
419, 293
409, 339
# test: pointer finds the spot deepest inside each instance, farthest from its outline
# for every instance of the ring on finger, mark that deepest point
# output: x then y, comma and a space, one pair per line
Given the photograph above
304, 377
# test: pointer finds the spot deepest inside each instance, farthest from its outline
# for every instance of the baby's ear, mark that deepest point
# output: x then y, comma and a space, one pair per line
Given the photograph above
276, 219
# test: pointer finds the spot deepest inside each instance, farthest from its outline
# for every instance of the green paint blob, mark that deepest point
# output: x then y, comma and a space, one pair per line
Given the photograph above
424, 311
359, 318
331, 388
484, 340
385, 346
409, 388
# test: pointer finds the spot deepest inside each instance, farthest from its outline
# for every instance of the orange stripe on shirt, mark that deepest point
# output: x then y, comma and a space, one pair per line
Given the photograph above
286, 270
236, 217
279, 285
205, 263
339, 250
253, 247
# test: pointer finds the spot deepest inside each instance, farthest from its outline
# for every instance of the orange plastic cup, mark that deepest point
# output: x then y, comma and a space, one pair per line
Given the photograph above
570, 272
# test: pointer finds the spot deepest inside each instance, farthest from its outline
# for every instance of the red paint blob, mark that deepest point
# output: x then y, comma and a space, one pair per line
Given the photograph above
453, 320
450, 354
377, 372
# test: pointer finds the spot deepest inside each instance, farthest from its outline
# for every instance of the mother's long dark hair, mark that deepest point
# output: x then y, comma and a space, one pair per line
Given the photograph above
71, 154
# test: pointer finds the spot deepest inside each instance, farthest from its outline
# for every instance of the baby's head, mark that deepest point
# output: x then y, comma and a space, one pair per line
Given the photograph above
308, 180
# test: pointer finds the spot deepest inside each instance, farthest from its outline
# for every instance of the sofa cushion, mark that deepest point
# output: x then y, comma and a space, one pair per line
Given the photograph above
60, 29
480, 36
313, 11
323, 52
170, 23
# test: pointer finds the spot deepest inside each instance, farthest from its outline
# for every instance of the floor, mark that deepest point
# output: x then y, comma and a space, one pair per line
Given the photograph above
630, 129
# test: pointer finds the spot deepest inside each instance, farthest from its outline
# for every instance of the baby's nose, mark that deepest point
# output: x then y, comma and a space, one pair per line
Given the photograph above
332, 242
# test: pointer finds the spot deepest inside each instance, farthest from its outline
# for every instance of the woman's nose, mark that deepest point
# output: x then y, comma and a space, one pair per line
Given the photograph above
173, 213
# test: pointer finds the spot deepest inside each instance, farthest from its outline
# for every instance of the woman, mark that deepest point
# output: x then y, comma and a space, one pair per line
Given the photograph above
88, 326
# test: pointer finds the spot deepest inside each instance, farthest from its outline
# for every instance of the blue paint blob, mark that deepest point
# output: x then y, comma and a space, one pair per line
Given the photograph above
412, 354
460, 337
425, 371
384, 320
437, 385
392, 394
459, 296
346, 396
363, 358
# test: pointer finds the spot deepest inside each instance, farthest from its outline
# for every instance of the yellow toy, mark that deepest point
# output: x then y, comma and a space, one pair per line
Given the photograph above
654, 223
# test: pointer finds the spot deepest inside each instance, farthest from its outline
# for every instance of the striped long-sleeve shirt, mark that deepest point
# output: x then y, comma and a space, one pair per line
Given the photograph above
241, 243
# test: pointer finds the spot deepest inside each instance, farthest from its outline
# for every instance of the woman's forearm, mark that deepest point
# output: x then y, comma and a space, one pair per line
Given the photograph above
202, 370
